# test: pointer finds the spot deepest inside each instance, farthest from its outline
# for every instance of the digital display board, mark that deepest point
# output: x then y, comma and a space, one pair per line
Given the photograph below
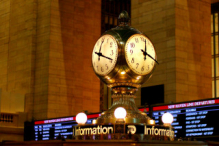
52, 128
191, 119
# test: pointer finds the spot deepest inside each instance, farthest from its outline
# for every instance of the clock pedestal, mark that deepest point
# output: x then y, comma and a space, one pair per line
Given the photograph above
124, 97
123, 58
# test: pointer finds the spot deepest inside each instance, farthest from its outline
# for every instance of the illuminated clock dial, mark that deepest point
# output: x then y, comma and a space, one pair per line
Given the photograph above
140, 54
104, 56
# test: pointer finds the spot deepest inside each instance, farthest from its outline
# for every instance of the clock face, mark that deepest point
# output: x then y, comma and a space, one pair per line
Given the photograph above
104, 56
140, 54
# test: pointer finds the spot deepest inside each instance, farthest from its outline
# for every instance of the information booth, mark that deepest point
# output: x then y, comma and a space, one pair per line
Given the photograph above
192, 120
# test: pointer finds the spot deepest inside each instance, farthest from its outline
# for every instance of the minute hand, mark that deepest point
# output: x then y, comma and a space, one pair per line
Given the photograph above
100, 54
149, 56
152, 57
106, 57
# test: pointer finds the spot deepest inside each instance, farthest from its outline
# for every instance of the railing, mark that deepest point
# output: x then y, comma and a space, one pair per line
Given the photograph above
12, 119
4, 117
12, 126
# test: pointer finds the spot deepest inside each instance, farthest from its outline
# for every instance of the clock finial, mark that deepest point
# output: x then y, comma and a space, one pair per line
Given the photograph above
123, 18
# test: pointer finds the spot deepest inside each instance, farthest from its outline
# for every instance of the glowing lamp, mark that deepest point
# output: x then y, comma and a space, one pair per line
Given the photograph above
122, 72
120, 113
152, 122
81, 118
167, 118
94, 121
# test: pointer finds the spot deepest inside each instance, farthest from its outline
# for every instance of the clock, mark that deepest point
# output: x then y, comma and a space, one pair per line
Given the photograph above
105, 54
140, 54
124, 59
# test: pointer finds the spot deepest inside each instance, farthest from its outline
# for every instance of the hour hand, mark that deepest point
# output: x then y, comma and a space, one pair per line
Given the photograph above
99, 54
144, 53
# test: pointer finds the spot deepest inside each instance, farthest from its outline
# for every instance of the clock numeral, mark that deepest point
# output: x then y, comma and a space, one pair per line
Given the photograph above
102, 39
148, 43
148, 67
107, 40
101, 69
136, 40
131, 51
142, 39
97, 68
142, 69
152, 63
111, 44
132, 45
137, 65
132, 61
111, 52
106, 66
111, 61
152, 49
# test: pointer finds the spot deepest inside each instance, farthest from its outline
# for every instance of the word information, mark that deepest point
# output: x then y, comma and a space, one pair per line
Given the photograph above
134, 129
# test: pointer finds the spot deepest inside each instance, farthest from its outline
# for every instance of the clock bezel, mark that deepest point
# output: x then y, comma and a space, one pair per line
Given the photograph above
130, 71
109, 75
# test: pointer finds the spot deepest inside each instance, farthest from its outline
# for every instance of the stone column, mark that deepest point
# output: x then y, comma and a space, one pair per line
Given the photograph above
45, 54
180, 31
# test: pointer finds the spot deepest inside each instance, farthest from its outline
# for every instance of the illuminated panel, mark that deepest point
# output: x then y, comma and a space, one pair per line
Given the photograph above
192, 118
184, 105
144, 109
52, 128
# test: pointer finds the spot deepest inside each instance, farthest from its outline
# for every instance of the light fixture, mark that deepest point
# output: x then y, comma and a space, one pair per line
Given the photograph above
94, 121
167, 119
107, 77
123, 72
81, 118
120, 113
138, 77
152, 122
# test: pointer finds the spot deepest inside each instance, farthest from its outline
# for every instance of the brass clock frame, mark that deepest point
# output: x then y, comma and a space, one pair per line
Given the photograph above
116, 78
123, 81
115, 69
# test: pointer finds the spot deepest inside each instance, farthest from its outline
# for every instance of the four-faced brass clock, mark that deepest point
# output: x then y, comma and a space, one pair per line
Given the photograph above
105, 54
123, 56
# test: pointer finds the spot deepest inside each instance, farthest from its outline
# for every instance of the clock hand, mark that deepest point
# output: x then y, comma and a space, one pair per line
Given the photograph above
100, 50
145, 53
106, 57
152, 58
100, 54
145, 50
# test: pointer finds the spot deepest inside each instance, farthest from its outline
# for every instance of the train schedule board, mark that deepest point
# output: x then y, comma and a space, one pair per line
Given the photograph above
191, 119
52, 128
